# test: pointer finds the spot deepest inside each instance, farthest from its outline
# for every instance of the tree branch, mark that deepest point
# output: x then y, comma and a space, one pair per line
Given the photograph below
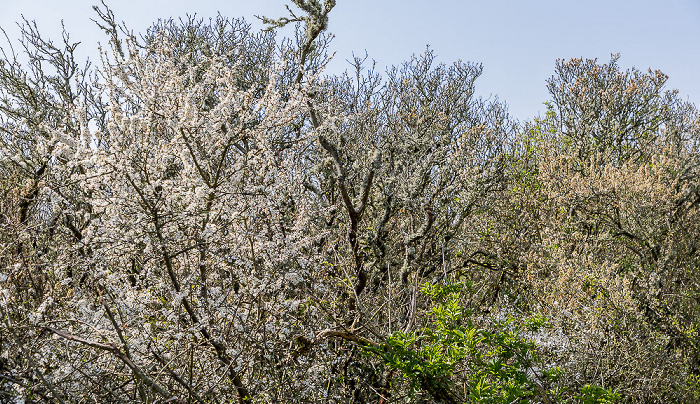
122, 357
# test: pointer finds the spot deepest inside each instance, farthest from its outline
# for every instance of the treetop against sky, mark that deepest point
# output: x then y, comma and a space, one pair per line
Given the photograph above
518, 42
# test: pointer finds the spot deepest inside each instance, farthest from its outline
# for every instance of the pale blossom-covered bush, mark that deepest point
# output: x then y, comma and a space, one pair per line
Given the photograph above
189, 234
206, 217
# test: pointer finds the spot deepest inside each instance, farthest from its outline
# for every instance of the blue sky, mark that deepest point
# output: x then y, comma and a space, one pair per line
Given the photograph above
518, 42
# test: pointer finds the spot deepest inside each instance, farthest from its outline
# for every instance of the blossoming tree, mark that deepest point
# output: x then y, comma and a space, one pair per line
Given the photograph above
206, 217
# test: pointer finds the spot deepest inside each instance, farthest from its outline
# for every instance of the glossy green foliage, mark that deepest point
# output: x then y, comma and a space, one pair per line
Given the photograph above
460, 357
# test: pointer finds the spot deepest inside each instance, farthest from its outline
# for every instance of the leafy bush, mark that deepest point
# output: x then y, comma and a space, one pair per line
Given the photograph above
458, 358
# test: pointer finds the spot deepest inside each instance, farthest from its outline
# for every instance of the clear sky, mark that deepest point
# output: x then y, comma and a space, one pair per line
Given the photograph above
517, 41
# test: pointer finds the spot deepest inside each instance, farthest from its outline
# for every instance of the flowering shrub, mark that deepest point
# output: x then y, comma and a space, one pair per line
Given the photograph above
206, 217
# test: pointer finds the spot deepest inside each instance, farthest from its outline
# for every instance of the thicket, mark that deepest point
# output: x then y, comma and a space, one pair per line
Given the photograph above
206, 217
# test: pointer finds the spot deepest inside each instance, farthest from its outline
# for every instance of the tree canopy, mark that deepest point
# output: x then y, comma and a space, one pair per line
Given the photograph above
206, 216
